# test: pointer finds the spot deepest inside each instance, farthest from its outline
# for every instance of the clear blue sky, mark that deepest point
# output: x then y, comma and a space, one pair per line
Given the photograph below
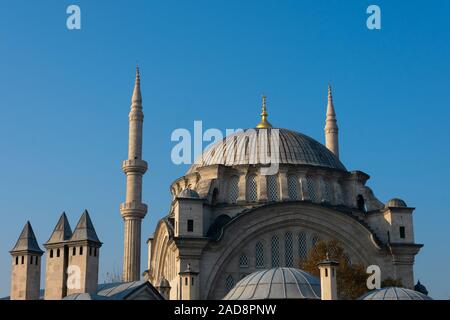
65, 96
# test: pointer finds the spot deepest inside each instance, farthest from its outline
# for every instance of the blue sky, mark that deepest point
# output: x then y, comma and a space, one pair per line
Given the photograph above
65, 96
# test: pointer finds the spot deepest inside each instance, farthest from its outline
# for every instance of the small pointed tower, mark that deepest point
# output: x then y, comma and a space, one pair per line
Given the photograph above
57, 260
133, 210
331, 128
328, 283
264, 124
84, 250
26, 266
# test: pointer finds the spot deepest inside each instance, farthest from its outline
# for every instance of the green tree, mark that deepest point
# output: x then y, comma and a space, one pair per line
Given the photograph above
351, 279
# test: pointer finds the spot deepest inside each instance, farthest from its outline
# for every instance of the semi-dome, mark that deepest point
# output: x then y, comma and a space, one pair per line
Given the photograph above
394, 293
276, 283
188, 194
396, 203
253, 147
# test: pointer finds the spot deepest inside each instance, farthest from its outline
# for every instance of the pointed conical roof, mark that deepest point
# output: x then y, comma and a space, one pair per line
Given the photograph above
330, 107
62, 231
27, 241
136, 99
84, 229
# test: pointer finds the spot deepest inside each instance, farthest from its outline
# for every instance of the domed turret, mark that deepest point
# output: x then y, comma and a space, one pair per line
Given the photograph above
188, 194
396, 203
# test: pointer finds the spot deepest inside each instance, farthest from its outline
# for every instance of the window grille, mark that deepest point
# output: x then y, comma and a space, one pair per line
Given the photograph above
229, 283
275, 251
293, 188
272, 188
259, 253
288, 250
233, 190
252, 189
302, 246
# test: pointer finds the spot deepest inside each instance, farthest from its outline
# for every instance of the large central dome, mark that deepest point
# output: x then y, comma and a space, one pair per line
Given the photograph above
254, 147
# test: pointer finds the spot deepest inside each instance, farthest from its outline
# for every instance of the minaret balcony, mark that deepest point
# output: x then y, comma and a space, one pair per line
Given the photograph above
134, 165
133, 209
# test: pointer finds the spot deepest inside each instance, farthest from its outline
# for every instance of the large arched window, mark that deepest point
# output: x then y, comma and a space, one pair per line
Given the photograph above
293, 187
272, 188
288, 250
233, 189
259, 254
252, 189
302, 246
275, 251
229, 283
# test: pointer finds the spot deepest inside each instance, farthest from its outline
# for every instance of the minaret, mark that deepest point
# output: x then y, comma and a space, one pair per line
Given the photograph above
133, 210
26, 266
264, 124
331, 128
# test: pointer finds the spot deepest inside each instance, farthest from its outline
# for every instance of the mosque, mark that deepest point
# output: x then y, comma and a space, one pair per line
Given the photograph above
240, 222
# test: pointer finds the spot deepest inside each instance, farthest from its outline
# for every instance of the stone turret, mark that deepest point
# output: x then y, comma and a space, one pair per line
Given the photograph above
26, 266
57, 260
83, 252
331, 128
328, 282
133, 210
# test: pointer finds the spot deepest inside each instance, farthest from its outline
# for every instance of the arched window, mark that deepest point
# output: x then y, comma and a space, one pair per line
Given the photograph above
326, 197
36, 260
302, 246
361, 203
311, 185
229, 283
51, 253
259, 254
31, 259
293, 187
81, 251
22, 260
275, 251
243, 261
288, 250
17, 260
74, 251
58, 252
252, 189
347, 259
272, 188
314, 239
95, 252
215, 195
233, 190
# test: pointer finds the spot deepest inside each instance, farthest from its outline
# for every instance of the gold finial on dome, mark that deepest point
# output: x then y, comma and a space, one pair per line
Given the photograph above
264, 124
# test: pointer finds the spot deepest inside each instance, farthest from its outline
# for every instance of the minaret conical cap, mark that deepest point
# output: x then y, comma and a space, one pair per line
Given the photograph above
136, 99
330, 107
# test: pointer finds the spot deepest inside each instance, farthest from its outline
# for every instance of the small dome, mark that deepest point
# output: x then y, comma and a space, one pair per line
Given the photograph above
396, 203
188, 194
276, 283
394, 293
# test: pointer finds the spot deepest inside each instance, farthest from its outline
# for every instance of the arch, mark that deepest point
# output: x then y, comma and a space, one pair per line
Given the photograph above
361, 203
356, 239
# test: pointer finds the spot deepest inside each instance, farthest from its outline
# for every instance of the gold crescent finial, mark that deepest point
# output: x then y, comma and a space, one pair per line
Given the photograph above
264, 124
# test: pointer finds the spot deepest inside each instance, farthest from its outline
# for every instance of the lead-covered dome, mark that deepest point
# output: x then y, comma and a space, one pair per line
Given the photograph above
276, 283
254, 147
394, 293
